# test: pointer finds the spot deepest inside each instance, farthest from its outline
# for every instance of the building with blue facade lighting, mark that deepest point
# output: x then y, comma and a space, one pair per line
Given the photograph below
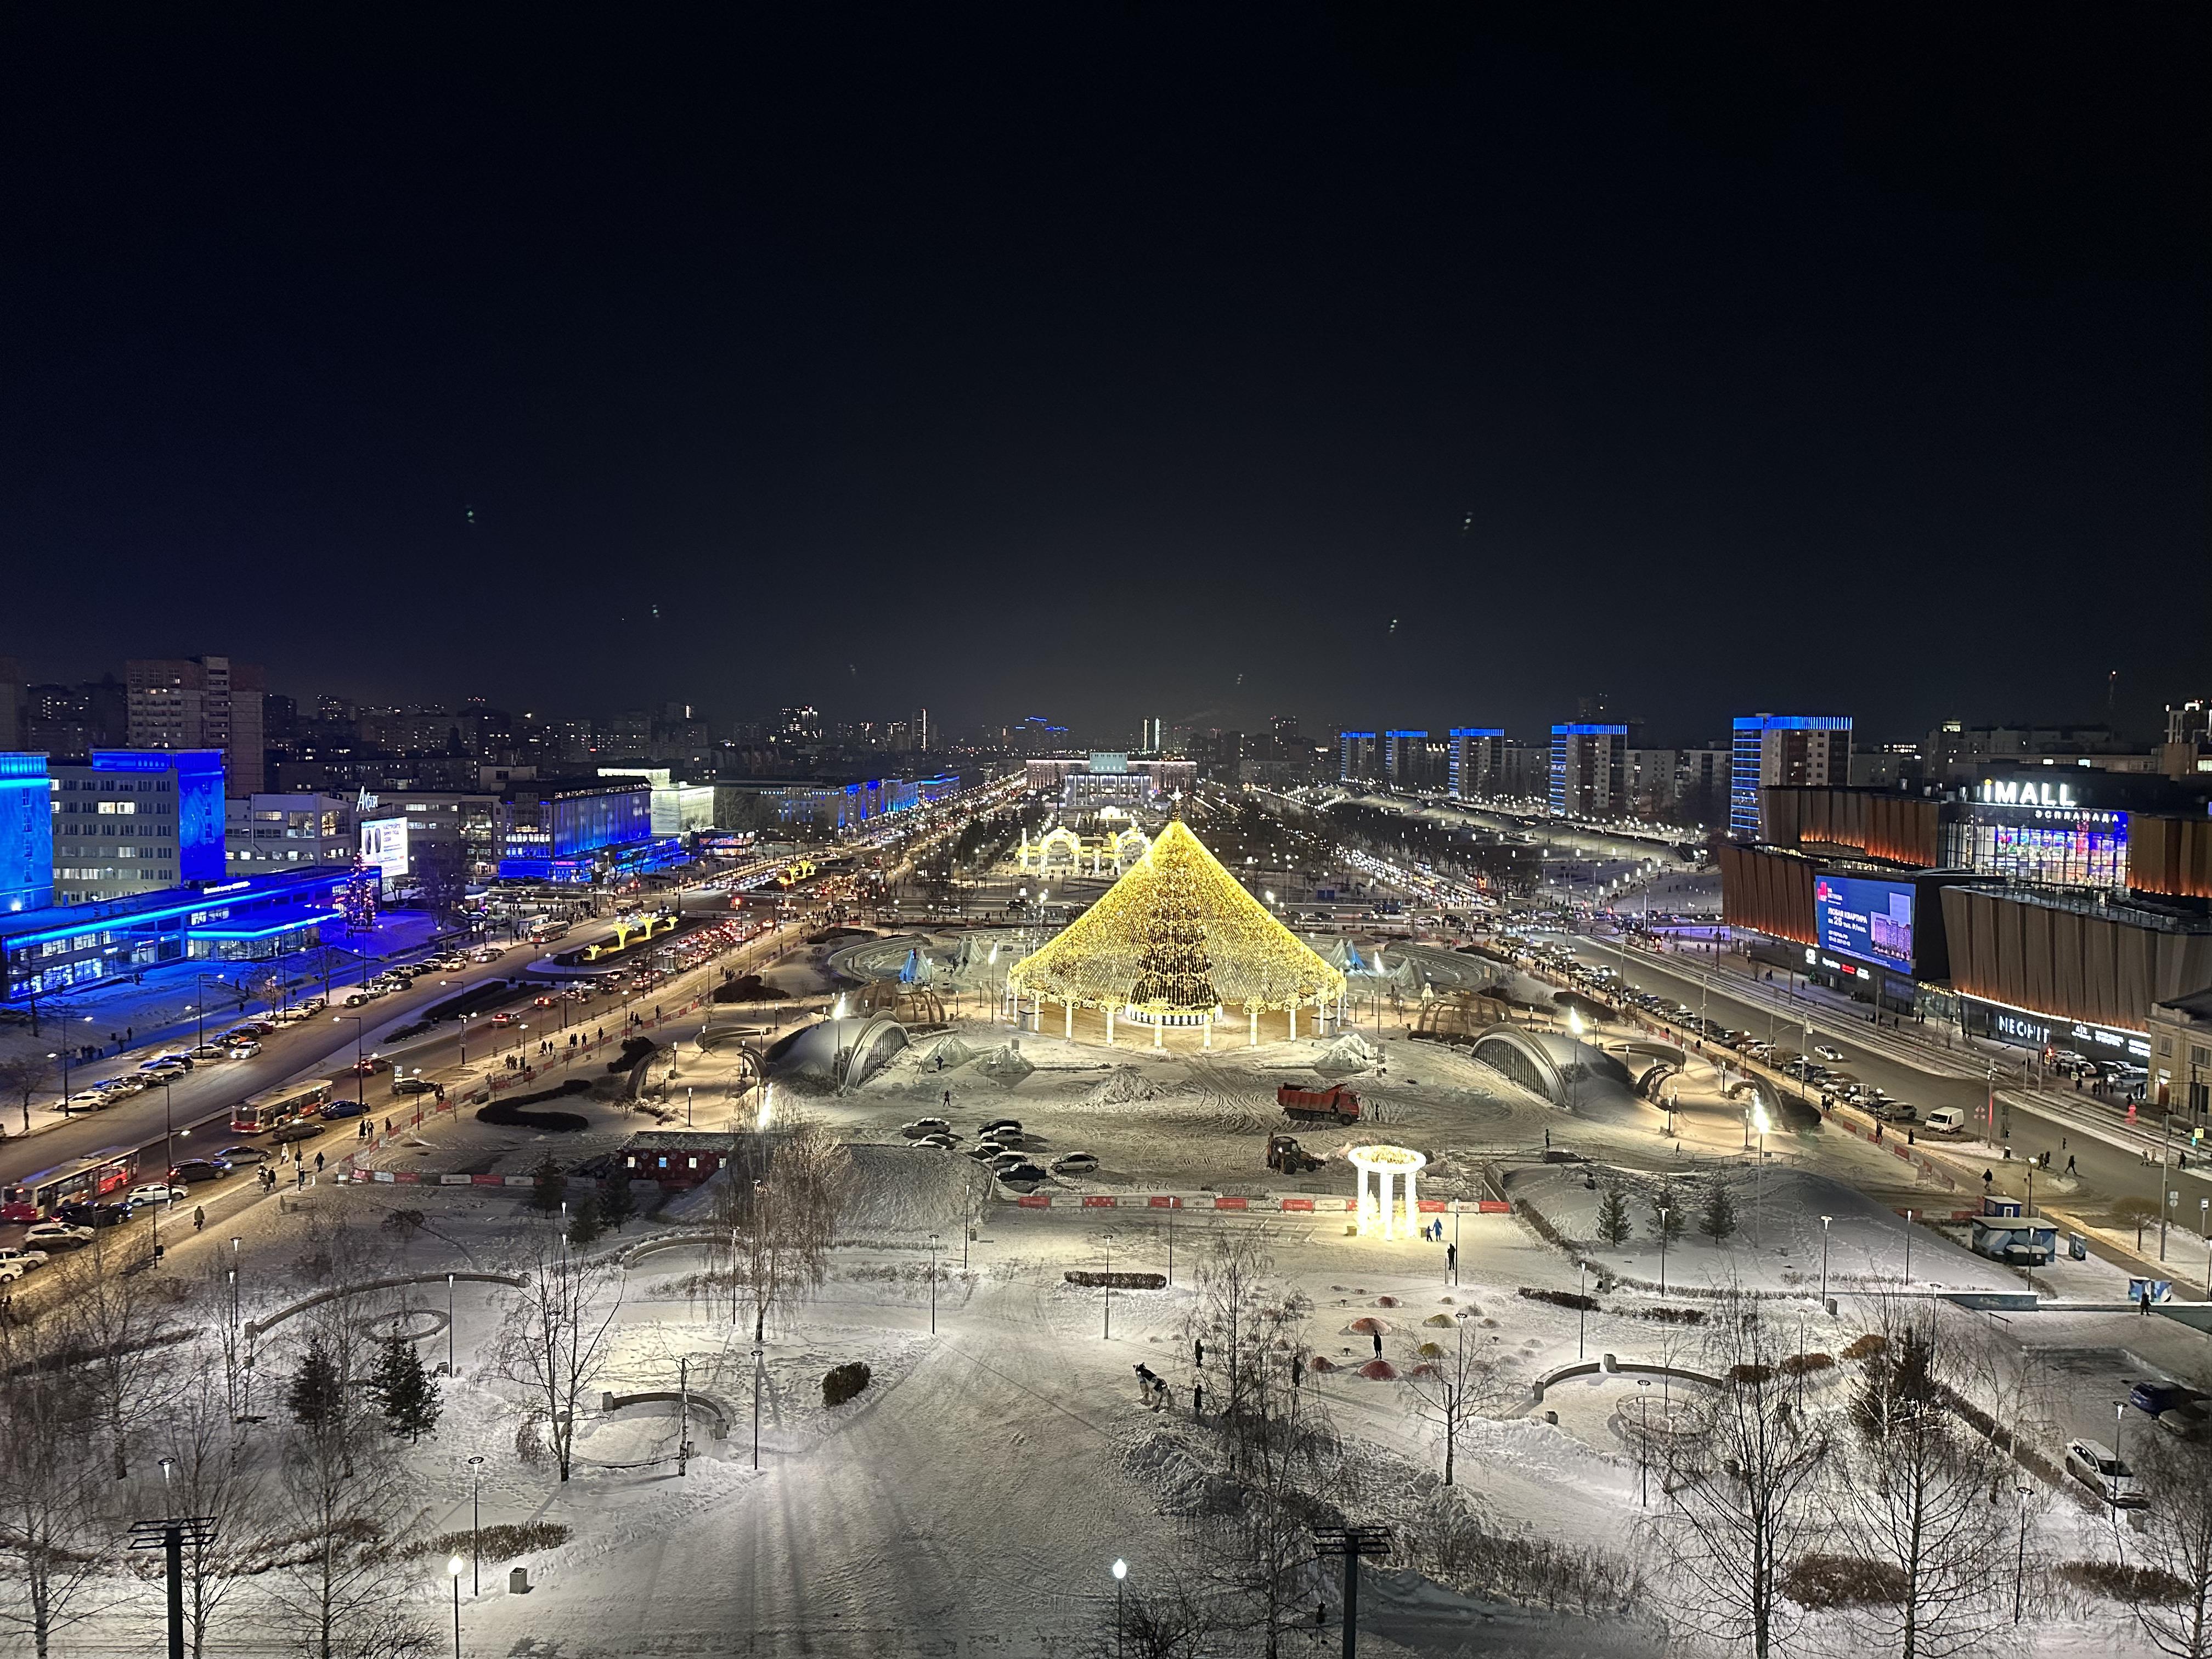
835, 805
577, 832
130, 820
1477, 766
1782, 750
1589, 776
26, 847
46, 951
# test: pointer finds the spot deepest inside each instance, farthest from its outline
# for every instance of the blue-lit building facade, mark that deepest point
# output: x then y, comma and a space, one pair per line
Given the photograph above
27, 861
1590, 770
839, 806
43, 952
1477, 766
130, 820
1782, 752
579, 833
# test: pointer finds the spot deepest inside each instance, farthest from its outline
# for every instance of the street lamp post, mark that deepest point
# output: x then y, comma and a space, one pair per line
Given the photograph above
1582, 1313
449, 1327
2020, 1567
1120, 1573
932, 1284
1664, 1212
454, 1573
475, 1525
1824, 1221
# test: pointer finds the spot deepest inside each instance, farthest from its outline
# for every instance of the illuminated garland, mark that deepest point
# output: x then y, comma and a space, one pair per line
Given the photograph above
1178, 934
357, 897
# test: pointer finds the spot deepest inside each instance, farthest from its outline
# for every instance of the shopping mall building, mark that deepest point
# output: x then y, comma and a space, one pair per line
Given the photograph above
2037, 906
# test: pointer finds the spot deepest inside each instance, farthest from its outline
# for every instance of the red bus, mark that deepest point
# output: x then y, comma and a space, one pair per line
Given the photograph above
36, 1198
274, 1108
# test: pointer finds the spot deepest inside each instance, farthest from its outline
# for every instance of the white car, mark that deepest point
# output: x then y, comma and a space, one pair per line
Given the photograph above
244, 1049
12, 1271
57, 1235
2092, 1463
86, 1100
156, 1192
27, 1258
1827, 1051
290, 1016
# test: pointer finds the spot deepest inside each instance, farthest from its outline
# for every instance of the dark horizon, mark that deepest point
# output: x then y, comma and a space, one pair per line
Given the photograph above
1394, 371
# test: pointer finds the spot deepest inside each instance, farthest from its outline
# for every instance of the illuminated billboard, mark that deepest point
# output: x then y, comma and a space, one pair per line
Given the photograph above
1869, 919
384, 847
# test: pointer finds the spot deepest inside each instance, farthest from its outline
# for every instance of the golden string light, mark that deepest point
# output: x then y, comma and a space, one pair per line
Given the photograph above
1177, 937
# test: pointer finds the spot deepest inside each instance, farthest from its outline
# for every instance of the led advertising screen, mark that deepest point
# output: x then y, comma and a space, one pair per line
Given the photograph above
384, 846
1869, 919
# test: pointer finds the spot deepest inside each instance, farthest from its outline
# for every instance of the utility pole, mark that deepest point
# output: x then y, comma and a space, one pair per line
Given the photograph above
1352, 1543
170, 1537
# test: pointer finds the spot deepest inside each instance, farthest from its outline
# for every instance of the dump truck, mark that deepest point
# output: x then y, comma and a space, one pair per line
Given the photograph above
1335, 1103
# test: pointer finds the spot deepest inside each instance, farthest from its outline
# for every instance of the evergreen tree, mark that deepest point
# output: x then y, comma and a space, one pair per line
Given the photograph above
584, 1223
404, 1391
1613, 1225
316, 1395
1717, 1220
616, 1203
1668, 1221
548, 1186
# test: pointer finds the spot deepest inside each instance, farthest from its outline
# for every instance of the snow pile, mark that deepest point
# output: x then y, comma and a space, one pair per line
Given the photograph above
1124, 1085
908, 1189
1349, 1054
1004, 1066
1185, 1486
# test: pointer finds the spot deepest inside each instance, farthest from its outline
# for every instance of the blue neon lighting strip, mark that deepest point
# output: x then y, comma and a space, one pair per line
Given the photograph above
285, 925
163, 913
1478, 731
1793, 723
1582, 731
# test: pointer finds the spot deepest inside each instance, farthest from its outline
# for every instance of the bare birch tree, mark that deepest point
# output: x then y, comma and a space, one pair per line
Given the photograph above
340, 1580
777, 1227
211, 1475
123, 1324
558, 1338
1451, 1389
57, 1537
2174, 1537
1729, 1537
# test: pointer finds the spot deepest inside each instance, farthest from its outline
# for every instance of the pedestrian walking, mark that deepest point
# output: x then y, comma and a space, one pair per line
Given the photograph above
2070, 1164
319, 1163
1378, 1335
199, 1216
1451, 1261
300, 1182
1197, 1352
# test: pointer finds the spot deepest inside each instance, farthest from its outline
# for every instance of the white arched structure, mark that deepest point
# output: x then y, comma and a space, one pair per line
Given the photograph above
1378, 1212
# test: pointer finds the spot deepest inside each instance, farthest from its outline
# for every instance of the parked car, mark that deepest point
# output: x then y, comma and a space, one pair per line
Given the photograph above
2175, 1406
207, 1051
1951, 1120
167, 1066
1005, 1161
924, 1126
85, 1214
1893, 1111
1074, 1163
984, 1151
119, 1087
157, 1192
57, 1235
237, 1155
1020, 1175
85, 1100
12, 1271
26, 1258
997, 1124
291, 1016
2092, 1463
941, 1141
199, 1169
410, 1085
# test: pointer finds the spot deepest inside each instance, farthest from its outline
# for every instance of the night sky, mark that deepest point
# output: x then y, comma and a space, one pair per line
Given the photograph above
1102, 362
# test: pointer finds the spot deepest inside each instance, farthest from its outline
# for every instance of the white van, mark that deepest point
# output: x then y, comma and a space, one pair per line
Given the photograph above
1952, 1119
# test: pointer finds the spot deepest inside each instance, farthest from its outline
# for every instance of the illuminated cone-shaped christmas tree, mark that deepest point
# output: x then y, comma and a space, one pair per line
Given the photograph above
1174, 973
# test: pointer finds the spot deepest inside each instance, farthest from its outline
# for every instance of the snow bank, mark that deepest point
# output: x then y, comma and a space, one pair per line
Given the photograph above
1350, 1053
1125, 1085
1003, 1064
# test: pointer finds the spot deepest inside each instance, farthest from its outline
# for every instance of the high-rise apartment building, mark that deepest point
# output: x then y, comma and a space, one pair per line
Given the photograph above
1357, 756
1477, 764
1771, 750
1405, 756
1590, 770
200, 703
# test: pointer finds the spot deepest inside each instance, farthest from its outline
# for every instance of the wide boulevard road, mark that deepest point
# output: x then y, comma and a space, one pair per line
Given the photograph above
321, 1046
